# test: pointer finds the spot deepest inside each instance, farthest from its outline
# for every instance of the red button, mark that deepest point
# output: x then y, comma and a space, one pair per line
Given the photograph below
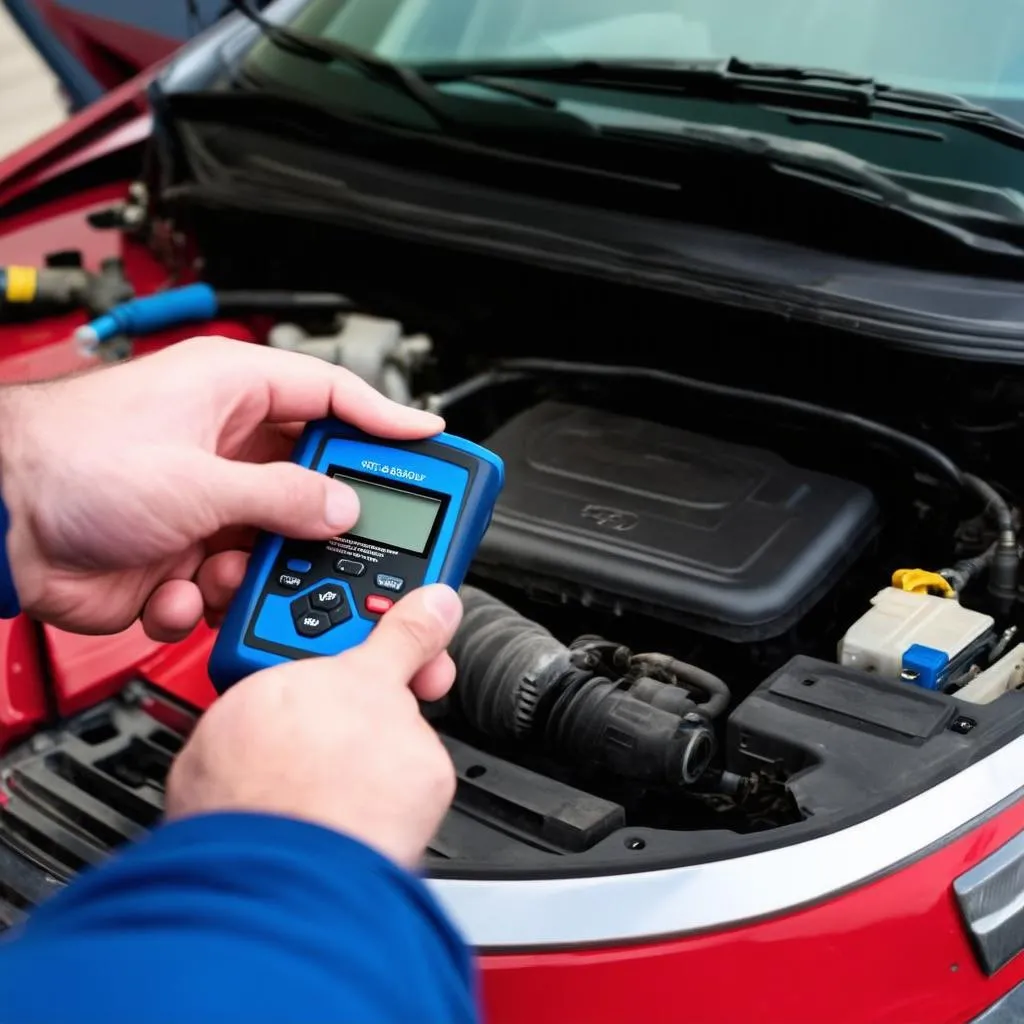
378, 604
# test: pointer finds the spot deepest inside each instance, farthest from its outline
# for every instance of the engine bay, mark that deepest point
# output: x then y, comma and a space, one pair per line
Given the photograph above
750, 581
739, 666
707, 619
704, 618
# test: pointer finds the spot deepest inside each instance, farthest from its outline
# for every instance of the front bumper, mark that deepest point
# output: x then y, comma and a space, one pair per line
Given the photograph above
892, 949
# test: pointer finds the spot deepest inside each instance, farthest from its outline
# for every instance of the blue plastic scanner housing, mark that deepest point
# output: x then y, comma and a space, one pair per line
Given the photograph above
425, 506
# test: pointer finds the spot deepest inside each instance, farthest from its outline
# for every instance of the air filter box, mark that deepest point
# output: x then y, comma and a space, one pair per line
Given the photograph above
628, 513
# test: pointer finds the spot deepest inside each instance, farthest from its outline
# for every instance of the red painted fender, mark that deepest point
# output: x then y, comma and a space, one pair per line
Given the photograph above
892, 952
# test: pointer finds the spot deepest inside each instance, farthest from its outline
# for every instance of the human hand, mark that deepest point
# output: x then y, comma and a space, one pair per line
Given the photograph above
134, 489
336, 741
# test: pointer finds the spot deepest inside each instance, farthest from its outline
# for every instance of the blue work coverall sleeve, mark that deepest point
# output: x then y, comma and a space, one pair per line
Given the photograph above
239, 917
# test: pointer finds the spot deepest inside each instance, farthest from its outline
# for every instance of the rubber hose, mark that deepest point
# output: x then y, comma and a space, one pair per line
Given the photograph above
501, 654
716, 690
516, 681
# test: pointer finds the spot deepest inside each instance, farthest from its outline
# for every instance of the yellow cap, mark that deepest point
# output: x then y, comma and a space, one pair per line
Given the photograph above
921, 581
21, 284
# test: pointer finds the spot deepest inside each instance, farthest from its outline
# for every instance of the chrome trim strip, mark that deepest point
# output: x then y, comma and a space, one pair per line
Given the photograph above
609, 909
1008, 1010
991, 900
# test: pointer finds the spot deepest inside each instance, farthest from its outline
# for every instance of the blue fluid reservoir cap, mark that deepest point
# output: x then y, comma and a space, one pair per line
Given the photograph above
924, 666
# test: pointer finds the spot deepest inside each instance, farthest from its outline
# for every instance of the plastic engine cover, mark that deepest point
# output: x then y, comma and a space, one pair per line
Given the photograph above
625, 512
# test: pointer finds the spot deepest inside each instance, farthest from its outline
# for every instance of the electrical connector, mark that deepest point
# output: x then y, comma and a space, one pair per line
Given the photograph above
197, 302
150, 313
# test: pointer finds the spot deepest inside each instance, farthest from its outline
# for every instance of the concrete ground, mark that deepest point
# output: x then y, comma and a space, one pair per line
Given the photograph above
30, 103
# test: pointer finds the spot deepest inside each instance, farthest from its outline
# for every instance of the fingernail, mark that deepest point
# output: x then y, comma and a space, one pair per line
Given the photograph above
444, 604
341, 506
438, 422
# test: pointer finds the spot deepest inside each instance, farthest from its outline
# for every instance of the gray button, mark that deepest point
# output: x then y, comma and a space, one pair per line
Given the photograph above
349, 568
312, 624
289, 581
388, 582
340, 615
327, 598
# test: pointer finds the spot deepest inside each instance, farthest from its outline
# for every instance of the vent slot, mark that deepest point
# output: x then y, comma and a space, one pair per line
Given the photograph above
22, 886
49, 791
75, 794
166, 740
46, 838
138, 766
100, 783
96, 730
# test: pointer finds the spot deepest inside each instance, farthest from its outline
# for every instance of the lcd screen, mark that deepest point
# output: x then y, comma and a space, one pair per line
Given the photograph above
392, 516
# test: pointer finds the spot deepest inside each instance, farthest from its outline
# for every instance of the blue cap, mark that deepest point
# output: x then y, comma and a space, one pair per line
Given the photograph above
924, 666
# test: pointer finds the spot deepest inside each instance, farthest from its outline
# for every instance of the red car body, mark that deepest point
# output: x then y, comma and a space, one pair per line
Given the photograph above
889, 949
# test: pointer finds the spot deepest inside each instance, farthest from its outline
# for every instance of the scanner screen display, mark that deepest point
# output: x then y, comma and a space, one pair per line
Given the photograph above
388, 515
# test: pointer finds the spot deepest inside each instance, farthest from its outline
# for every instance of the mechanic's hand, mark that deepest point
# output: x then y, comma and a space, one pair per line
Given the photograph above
130, 488
336, 741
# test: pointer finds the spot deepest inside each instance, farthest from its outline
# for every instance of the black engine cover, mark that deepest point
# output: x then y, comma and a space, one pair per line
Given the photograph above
619, 511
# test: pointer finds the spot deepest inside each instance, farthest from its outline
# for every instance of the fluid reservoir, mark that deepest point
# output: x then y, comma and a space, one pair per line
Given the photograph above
914, 637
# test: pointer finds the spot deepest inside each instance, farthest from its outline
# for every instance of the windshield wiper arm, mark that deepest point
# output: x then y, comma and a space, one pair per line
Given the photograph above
842, 172
327, 51
738, 80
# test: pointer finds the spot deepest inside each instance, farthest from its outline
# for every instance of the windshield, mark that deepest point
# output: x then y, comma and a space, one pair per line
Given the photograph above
974, 49
433, 57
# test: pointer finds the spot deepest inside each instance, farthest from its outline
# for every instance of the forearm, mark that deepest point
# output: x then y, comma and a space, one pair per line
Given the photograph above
247, 916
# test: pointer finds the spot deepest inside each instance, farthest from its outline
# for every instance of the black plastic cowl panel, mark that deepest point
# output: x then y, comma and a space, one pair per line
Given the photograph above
846, 739
849, 746
71, 796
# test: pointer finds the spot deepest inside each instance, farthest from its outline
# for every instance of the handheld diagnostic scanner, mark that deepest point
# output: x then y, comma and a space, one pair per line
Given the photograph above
424, 508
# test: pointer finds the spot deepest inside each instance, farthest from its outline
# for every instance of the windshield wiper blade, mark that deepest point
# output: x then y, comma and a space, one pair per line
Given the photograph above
946, 108
842, 172
326, 51
735, 80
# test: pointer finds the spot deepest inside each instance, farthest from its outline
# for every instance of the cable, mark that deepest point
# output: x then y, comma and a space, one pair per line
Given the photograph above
1001, 511
1005, 565
961, 574
469, 387
938, 459
715, 689
196, 302
281, 301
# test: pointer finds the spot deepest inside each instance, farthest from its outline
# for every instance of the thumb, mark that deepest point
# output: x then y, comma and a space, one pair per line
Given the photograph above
410, 635
280, 497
